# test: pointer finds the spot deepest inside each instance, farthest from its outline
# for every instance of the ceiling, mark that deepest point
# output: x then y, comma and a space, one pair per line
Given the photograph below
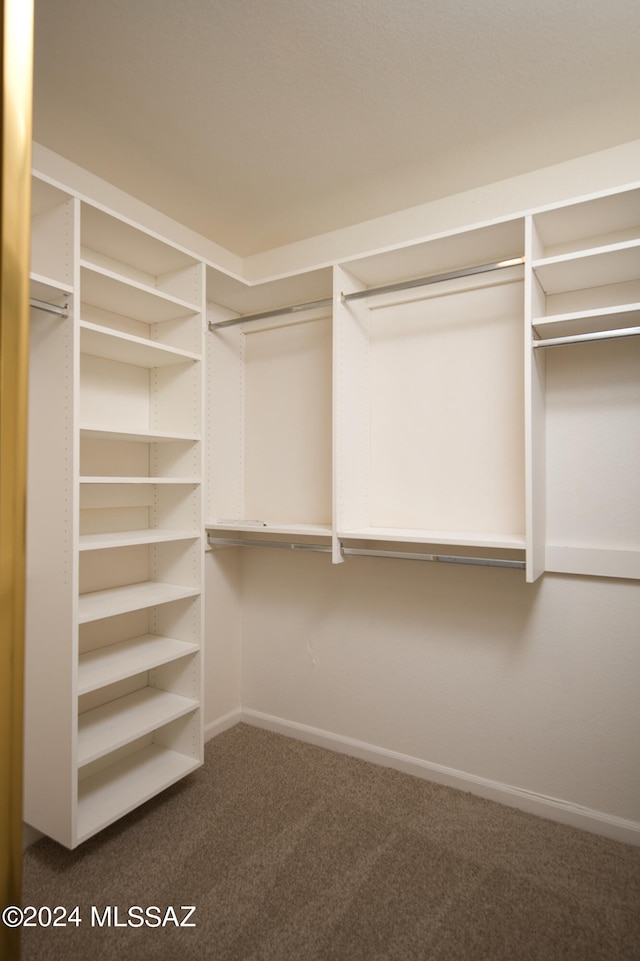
261, 122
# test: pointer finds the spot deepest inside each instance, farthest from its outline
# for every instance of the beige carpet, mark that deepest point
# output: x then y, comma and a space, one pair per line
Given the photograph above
293, 853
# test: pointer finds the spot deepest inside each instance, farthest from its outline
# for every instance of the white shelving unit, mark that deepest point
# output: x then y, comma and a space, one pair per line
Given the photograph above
491, 416
123, 401
429, 395
585, 429
443, 437
269, 398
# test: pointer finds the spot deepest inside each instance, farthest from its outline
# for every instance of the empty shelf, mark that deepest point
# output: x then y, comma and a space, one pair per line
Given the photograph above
112, 725
104, 288
98, 542
128, 349
123, 479
613, 264
106, 665
269, 527
118, 789
133, 597
95, 432
454, 538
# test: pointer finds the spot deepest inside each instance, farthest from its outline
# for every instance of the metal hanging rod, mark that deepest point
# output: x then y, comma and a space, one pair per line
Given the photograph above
369, 292
583, 338
275, 545
49, 308
363, 552
440, 558
266, 314
433, 279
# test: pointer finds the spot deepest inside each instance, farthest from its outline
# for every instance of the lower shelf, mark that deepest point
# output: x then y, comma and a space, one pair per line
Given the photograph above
112, 725
114, 791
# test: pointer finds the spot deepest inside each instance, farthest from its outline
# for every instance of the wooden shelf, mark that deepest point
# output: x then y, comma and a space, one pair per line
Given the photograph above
102, 541
133, 597
128, 349
106, 665
106, 289
114, 791
112, 725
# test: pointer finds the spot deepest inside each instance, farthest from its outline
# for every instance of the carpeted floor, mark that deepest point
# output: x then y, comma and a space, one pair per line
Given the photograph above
293, 853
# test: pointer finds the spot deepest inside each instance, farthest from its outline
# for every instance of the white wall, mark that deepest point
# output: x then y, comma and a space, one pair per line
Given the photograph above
468, 668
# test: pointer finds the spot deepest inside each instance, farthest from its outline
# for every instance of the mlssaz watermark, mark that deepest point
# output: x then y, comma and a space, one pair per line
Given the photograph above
105, 916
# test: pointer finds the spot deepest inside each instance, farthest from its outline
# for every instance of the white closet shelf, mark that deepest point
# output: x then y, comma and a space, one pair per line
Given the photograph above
95, 432
46, 288
106, 234
105, 540
106, 665
133, 597
588, 321
112, 725
114, 791
602, 266
123, 479
269, 527
111, 291
454, 538
128, 349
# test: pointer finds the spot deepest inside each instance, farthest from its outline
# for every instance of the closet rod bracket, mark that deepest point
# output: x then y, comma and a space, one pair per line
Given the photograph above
49, 308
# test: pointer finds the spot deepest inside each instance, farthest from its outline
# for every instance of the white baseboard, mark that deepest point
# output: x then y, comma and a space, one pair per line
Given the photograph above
213, 728
554, 809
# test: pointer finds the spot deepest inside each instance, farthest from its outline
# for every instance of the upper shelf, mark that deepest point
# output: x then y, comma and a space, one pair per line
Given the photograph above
104, 288
128, 349
597, 267
579, 227
121, 241
497, 242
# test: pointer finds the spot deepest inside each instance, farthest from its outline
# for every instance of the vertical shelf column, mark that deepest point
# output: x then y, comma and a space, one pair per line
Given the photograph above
52, 565
535, 453
584, 389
